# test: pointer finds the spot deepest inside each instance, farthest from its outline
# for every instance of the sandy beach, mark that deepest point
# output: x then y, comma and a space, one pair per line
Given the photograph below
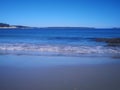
59, 73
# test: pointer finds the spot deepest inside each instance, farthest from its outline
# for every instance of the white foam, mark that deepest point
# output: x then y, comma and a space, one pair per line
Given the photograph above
59, 49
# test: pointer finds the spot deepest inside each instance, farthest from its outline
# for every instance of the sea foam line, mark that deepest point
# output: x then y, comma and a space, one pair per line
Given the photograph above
64, 49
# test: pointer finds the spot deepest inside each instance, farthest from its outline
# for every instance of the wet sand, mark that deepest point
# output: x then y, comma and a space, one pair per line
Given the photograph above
59, 73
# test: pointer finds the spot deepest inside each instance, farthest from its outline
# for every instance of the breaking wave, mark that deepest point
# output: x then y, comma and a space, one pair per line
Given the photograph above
6, 48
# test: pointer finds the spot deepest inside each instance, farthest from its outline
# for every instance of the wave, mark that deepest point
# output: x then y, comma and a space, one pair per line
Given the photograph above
43, 38
56, 49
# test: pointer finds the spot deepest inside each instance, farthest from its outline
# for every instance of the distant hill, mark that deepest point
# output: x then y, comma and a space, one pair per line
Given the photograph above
69, 28
4, 25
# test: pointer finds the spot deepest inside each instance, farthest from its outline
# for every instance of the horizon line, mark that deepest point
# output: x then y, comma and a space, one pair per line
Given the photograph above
61, 26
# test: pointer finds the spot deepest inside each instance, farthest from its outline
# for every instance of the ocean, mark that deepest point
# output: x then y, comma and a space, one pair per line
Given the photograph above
56, 41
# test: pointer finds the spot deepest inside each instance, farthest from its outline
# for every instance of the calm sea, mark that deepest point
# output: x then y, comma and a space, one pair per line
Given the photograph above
68, 42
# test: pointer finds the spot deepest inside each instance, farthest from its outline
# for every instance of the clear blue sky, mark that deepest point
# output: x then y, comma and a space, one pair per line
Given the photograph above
45, 13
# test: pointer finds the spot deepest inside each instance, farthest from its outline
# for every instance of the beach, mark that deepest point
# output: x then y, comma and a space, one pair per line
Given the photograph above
59, 73
59, 59
60, 45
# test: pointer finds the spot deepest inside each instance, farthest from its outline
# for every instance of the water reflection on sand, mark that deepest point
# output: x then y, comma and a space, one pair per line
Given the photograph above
59, 73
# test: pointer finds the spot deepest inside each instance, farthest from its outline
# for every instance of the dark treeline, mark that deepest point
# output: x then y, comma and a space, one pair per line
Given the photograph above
4, 25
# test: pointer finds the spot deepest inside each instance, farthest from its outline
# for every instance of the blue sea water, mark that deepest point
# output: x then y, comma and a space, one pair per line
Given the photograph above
46, 41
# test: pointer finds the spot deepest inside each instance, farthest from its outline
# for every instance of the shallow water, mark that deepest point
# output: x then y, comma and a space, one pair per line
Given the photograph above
37, 61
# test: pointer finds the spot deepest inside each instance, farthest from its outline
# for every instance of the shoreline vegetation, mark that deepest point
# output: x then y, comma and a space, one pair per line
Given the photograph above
8, 26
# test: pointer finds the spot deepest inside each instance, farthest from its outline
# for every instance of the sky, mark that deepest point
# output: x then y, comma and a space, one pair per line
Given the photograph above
56, 13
